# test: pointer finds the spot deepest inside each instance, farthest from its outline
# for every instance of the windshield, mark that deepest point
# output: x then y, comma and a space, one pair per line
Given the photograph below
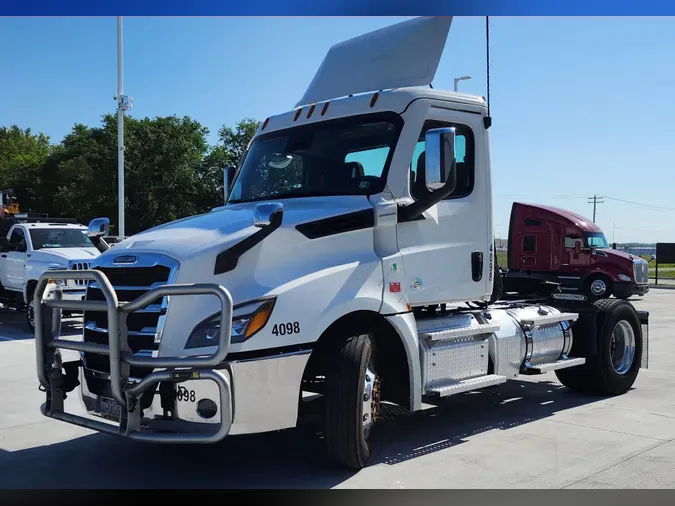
339, 157
59, 238
597, 240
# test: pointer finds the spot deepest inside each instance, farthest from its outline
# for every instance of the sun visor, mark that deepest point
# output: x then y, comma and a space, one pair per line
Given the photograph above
398, 56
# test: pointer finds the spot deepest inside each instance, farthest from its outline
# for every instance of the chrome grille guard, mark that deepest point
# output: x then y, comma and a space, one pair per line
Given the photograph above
125, 392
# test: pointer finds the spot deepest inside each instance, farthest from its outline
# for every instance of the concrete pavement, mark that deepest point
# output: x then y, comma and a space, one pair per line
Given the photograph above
530, 433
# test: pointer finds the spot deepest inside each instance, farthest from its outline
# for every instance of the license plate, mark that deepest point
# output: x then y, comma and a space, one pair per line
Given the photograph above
110, 409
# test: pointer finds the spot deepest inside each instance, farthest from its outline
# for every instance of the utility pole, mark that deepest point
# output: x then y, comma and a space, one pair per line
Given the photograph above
595, 200
124, 103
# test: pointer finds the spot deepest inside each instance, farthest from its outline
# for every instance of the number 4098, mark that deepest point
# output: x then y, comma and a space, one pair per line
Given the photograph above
283, 329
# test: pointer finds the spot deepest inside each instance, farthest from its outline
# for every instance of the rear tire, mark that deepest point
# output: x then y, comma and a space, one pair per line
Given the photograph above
352, 402
619, 341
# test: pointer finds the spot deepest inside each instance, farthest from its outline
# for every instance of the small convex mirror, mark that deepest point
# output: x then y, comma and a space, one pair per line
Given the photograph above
264, 214
439, 153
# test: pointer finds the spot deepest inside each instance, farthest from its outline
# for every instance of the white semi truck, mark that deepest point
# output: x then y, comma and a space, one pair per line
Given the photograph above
351, 265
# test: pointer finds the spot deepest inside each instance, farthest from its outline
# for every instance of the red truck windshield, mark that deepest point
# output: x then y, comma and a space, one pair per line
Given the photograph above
597, 240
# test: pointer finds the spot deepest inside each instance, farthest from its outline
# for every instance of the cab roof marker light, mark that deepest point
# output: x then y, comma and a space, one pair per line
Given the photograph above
265, 124
311, 111
325, 108
297, 114
374, 99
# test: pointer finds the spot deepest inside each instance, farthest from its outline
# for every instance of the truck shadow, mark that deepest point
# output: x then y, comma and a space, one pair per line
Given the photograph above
286, 459
456, 419
13, 326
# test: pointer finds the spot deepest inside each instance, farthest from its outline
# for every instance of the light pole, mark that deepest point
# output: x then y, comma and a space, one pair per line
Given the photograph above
458, 79
124, 103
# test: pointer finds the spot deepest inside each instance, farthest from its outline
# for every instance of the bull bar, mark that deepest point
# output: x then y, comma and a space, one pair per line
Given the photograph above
124, 391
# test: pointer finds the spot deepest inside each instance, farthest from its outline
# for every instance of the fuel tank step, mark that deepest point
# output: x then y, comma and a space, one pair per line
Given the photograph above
467, 385
554, 366
474, 329
549, 319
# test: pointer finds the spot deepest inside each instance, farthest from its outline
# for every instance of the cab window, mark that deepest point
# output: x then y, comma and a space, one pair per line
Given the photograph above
19, 239
571, 240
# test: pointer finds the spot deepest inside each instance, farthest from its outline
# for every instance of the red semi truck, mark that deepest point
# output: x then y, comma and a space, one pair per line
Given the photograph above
559, 246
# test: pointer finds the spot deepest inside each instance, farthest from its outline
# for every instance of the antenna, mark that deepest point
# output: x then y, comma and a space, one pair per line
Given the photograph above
487, 121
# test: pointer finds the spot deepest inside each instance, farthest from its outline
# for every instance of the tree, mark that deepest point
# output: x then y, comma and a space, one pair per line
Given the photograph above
162, 161
235, 140
22, 155
170, 170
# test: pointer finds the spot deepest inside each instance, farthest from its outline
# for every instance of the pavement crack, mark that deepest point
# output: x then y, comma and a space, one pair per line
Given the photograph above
619, 463
610, 430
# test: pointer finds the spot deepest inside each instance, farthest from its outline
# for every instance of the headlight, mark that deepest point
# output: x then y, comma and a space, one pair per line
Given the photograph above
623, 277
57, 267
247, 320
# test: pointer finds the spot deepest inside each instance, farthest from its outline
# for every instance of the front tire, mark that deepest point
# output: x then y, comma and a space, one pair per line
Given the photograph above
30, 315
352, 402
599, 286
616, 367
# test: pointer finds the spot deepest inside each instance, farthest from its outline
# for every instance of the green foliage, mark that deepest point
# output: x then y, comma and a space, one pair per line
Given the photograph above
22, 155
170, 170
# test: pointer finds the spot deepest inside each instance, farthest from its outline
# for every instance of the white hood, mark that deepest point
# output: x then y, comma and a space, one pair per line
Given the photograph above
63, 255
222, 227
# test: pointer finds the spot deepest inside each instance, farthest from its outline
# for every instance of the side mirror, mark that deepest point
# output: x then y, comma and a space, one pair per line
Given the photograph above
577, 247
228, 178
440, 163
99, 228
265, 215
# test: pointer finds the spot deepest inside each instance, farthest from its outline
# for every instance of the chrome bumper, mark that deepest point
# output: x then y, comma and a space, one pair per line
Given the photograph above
126, 393
67, 293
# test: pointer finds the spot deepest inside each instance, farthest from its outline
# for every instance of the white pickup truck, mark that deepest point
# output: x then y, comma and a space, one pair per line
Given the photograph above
33, 246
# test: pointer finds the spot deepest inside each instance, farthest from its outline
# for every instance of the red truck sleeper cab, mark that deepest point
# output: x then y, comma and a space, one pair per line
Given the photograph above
560, 246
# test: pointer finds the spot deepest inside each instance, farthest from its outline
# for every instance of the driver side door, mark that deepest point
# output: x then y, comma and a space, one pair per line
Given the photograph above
15, 259
447, 254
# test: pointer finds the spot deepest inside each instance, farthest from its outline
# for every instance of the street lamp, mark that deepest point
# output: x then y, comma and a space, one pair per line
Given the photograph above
458, 79
124, 103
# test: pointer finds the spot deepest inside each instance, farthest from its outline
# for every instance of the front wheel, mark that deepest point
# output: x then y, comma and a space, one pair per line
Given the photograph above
30, 314
352, 402
600, 287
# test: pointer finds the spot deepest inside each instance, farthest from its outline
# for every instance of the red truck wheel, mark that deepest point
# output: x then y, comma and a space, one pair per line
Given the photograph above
600, 286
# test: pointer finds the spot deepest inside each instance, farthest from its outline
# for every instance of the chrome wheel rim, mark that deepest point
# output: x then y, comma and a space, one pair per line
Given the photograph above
371, 401
598, 287
622, 351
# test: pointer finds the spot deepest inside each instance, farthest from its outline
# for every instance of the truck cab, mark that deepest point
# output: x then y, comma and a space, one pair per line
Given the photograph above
547, 243
34, 245
352, 264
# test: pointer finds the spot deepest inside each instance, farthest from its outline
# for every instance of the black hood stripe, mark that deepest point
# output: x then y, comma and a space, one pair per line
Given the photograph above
338, 224
228, 259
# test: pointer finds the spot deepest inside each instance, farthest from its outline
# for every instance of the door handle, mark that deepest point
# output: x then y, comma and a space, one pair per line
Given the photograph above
3, 256
477, 265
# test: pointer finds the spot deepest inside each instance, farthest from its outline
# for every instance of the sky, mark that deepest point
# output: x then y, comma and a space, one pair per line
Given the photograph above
580, 106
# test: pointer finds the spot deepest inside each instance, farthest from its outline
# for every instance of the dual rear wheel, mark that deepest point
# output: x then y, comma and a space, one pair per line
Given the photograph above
619, 352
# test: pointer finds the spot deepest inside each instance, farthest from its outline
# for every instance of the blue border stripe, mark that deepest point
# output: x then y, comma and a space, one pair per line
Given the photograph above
337, 8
